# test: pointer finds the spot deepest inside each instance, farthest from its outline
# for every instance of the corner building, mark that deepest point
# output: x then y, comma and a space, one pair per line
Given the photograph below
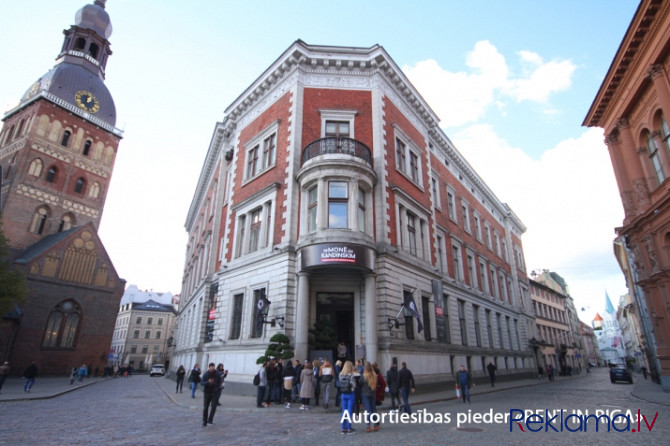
633, 107
330, 190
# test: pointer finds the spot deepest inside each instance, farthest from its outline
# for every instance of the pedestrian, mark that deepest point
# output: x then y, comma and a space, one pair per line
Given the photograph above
368, 384
295, 393
464, 379
540, 372
288, 378
222, 375
181, 372
73, 374
316, 366
82, 373
4, 372
194, 379
347, 387
392, 384
643, 369
116, 371
30, 373
381, 386
278, 391
326, 376
342, 351
550, 372
211, 385
406, 385
306, 385
336, 383
492, 372
262, 384
271, 374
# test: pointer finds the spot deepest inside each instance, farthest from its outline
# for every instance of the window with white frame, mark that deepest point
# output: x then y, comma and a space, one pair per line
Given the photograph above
483, 272
338, 129
254, 223
441, 253
487, 233
472, 269
503, 286
408, 160
312, 200
435, 187
496, 239
337, 123
504, 251
338, 203
494, 283
466, 215
361, 209
478, 225
261, 152
451, 203
413, 230
457, 260
654, 156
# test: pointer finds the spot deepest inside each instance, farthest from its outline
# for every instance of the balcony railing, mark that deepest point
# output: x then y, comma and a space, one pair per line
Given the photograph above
332, 145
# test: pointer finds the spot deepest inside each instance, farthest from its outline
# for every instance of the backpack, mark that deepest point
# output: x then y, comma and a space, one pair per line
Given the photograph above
346, 383
257, 379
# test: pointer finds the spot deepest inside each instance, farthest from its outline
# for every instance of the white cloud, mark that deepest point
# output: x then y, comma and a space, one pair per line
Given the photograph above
463, 97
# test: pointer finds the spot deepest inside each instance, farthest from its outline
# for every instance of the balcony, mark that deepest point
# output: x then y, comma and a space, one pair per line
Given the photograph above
334, 146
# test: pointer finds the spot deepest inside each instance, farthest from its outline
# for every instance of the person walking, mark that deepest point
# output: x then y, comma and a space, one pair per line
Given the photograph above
347, 387
306, 385
492, 372
295, 393
30, 373
464, 379
336, 383
392, 383
406, 384
4, 372
82, 373
262, 384
211, 386
326, 375
73, 374
368, 384
181, 372
289, 379
194, 379
222, 374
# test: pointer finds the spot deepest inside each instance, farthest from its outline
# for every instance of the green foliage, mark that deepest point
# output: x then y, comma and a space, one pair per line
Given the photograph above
12, 283
323, 336
279, 347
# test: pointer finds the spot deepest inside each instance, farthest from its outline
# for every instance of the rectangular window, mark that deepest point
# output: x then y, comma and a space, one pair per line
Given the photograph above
133, 349
338, 197
440, 253
160, 321
312, 198
409, 319
425, 309
465, 216
411, 231
269, 148
489, 328
150, 320
136, 334
472, 271
236, 322
500, 331
145, 349
414, 167
461, 319
252, 161
158, 334
478, 227
147, 334
254, 229
361, 210
400, 155
456, 257
447, 326
435, 186
494, 283
242, 225
509, 333
155, 349
138, 320
487, 233
478, 333
516, 331
338, 129
451, 205
496, 239
482, 276
257, 329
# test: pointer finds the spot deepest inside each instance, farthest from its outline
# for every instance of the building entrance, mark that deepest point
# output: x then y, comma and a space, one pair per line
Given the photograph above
338, 309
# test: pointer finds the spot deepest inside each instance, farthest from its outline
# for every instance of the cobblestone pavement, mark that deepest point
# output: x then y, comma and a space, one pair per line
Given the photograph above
144, 411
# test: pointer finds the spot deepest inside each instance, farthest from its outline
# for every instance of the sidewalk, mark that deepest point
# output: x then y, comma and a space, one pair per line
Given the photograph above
242, 397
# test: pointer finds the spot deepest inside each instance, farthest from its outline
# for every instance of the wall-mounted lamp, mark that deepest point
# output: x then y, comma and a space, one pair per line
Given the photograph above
393, 322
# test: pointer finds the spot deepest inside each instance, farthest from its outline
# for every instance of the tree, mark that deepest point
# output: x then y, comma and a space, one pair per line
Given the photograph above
323, 335
279, 347
12, 283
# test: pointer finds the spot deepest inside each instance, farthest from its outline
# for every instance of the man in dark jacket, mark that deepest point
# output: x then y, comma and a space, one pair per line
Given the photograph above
406, 384
464, 380
30, 373
492, 372
211, 381
393, 384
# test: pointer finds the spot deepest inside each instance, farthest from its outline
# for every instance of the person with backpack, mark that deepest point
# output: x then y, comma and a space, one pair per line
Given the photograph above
347, 388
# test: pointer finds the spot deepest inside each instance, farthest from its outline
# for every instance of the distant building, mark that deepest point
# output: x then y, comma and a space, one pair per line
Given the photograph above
58, 146
144, 330
590, 344
633, 107
608, 333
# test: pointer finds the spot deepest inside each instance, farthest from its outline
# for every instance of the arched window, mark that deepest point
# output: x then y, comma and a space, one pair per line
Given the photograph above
62, 325
665, 132
40, 218
79, 185
80, 44
87, 147
93, 50
51, 174
94, 190
66, 222
654, 157
35, 168
66, 138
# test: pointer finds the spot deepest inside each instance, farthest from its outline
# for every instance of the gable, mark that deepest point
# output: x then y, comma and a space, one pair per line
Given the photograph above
76, 256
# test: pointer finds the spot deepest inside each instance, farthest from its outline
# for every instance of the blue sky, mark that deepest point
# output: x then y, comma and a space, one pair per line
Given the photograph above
511, 81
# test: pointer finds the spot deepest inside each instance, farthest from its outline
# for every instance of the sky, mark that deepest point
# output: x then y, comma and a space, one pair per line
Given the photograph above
511, 82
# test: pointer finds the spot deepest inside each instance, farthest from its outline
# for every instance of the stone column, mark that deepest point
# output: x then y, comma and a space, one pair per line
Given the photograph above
621, 174
302, 317
660, 81
371, 345
636, 166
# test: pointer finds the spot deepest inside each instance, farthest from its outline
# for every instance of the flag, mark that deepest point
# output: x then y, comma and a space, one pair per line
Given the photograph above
262, 307
411, 307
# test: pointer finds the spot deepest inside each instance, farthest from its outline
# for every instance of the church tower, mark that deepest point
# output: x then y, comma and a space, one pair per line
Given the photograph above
57, 151
58, 145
